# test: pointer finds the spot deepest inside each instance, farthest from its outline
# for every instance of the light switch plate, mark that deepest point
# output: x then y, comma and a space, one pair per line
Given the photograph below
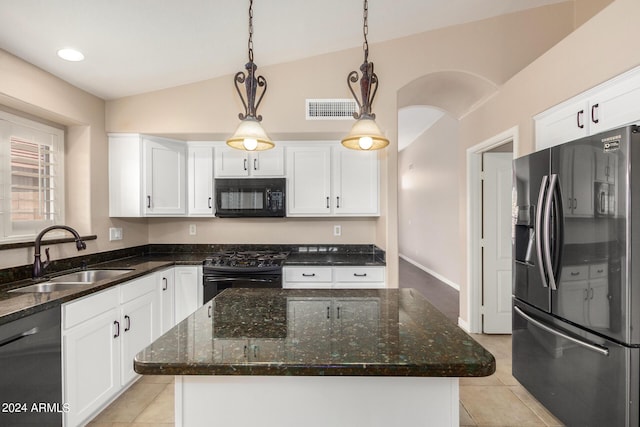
192, 229
337, 230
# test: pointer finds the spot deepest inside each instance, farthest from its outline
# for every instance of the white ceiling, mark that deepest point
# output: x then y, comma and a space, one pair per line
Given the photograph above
136, 46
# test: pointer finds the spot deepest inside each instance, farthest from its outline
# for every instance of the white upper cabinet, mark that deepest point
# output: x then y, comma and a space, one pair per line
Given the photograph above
308, 180
200, 179
355, 182
165, 173
329, 179
231, 162
147, 176
612, 104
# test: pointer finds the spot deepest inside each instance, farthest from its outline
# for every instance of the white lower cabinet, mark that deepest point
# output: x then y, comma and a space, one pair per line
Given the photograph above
139, 314
166, 288
101, 334
91, 354
352, 277
187, 291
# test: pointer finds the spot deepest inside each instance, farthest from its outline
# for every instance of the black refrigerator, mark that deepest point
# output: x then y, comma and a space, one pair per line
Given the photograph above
576, 296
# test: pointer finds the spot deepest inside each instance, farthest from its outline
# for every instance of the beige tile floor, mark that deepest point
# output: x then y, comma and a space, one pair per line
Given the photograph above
495, 401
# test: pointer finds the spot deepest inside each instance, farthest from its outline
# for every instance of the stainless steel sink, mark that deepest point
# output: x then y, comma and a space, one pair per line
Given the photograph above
50, 287
71, 281
90, 276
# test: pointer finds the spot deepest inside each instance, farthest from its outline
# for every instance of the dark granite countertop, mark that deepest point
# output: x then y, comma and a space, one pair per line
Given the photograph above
149, 258
320, 332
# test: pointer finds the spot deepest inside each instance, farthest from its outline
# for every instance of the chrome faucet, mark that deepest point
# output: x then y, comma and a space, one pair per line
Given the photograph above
38, 265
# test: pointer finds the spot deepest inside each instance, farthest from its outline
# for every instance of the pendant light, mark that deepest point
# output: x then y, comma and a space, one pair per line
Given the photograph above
249, 134
365, 133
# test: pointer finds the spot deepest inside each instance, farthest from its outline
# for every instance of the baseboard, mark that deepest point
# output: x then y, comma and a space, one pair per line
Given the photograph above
431, 272
463, 324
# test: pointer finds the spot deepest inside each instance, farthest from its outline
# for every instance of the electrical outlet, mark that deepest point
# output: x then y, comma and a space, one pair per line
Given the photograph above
337, 230
192, 229
115, 233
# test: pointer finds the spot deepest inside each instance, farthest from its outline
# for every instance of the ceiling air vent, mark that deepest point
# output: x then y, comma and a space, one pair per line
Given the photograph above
331, 109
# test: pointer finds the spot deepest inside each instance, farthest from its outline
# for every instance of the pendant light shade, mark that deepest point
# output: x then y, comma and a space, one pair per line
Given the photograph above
249, 134
365, 133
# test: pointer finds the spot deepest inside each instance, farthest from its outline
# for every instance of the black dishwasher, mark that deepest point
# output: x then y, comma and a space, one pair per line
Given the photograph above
31, 370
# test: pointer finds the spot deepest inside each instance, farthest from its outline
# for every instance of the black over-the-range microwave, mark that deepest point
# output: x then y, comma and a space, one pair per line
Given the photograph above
250, 197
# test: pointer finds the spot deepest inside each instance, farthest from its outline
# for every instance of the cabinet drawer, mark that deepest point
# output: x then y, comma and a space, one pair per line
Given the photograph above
597, 271
76, 312
359, 274
137, 287
307, 274
575, 272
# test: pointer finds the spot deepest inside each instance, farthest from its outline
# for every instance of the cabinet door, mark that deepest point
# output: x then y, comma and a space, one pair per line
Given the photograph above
598, 312
564, 124
166, 287
309, 181
187, 300
616, 105
200, 180
268, 162
355, 182
91, 354
125, 177
137, 323
165, 176
230, 162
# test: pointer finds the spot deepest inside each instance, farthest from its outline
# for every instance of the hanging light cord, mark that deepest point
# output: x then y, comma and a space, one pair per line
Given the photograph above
250, 43
365, 30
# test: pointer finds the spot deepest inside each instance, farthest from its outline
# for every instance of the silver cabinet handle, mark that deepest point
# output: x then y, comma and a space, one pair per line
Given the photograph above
538, 229
210, 200
327, 202
148, 201
255, 164
117, 325
360, 275
338, 202
328, 312
579, 119
128, 320
594, 110
165, 286
598, 349
308, 275
245, 164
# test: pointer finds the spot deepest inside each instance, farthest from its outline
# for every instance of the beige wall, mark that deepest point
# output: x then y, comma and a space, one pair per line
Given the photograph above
600, 49
427, 208
493, 49
27, 89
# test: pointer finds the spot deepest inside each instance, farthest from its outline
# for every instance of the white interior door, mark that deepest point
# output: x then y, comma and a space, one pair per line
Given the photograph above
496, 268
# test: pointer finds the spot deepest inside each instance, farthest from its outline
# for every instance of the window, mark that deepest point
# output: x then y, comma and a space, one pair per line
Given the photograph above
31, 177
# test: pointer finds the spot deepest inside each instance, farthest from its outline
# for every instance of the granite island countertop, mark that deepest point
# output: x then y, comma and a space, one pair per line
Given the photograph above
320, 332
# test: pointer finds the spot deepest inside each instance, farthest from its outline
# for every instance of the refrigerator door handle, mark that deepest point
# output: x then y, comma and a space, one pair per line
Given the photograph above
538, 230
547, 232
597, 348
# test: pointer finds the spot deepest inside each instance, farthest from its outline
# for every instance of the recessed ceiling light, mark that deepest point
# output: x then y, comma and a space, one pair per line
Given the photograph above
69, 54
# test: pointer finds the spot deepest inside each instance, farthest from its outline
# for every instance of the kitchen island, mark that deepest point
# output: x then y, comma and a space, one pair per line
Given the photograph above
287, 357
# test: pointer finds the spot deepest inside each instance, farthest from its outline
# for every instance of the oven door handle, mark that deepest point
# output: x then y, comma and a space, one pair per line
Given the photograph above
235, 279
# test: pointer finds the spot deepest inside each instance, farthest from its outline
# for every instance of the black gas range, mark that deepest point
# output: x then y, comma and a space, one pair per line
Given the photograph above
241, 269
